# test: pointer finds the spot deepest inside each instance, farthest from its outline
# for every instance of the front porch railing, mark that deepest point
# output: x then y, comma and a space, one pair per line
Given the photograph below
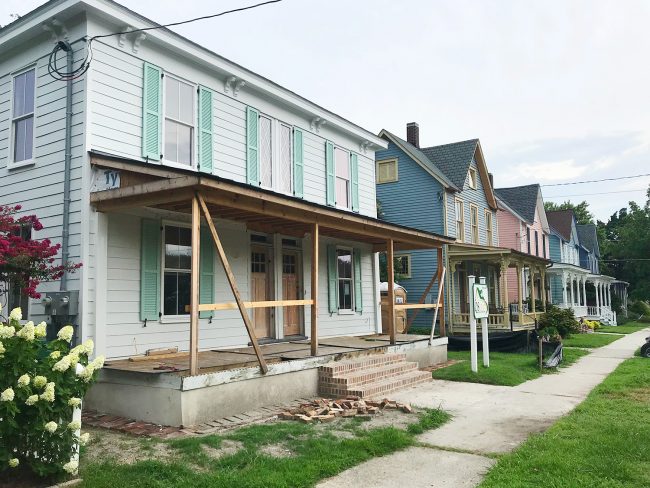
495, 320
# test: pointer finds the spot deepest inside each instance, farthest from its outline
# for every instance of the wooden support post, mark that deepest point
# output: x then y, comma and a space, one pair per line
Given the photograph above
533, 302
520, 292
233, 284
543, 282
314, 289
194, 288
421, 300
504, 292
391, 290
441, 285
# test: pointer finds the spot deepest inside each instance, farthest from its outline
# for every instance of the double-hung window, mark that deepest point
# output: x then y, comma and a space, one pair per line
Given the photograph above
403, 265
266, 151
179, 121
23, 116
489, 228
536, 243
528, 239
345, 278
472, 178
177, 263
460, 221
285, 159
473, 211
544, 245
342, 165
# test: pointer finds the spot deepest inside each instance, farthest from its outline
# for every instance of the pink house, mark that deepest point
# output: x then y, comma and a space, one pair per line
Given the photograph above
522, 227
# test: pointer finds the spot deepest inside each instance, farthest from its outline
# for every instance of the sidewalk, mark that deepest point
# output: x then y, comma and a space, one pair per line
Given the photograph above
486, 419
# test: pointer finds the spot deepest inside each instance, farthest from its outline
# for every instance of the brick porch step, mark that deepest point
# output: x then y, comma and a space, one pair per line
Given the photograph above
369, 376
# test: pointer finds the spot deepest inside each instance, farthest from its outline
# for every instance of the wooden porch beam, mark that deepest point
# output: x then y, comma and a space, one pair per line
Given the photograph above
264, 304
391, 290
314, 289
194, 288
233, 285
415, 306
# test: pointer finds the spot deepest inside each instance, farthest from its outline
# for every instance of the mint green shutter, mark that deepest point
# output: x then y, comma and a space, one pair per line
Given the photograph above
358, 296
152, 112
150, 270
206, 152
206, 266
331, 179
298, 163
332, 280
354, 177
252, 147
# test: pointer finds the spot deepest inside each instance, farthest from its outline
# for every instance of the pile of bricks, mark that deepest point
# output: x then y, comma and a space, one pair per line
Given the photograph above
326, 410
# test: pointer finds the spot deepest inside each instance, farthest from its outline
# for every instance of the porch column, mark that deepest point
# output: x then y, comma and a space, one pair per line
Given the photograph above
543, 283
391, 290
584, 289
452, 298
504, 291
573, 298
597, 298
531, 272
314, 289
194, 288
520, 287
564, 292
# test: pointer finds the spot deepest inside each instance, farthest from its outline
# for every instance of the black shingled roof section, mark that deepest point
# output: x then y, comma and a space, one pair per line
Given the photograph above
560, 220
587, 236
453, 159
522, 199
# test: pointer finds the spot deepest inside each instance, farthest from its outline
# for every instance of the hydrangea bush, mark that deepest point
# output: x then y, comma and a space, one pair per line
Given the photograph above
41, 383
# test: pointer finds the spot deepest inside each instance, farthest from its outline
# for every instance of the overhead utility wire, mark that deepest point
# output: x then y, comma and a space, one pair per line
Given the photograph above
598, 193
597, 181
58, 74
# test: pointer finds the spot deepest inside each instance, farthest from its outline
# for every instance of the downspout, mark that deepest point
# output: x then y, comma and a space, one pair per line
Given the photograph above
65, 233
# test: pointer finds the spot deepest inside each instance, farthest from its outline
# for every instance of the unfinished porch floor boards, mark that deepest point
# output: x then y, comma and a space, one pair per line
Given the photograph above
244, 357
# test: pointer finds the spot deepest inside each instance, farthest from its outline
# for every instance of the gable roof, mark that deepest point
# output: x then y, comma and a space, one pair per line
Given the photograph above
522, 199
419, 157
588, 237
453, 159
561, 221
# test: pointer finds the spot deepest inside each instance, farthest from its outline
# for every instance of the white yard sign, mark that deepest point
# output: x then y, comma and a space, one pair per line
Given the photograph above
481, 303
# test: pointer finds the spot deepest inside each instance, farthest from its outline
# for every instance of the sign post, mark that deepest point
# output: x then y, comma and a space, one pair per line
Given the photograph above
472, 327
484, 328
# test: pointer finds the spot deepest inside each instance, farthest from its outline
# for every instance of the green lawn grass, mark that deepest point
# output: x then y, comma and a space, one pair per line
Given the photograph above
590, 340
507, 369
628, 328
602, 443
316, 452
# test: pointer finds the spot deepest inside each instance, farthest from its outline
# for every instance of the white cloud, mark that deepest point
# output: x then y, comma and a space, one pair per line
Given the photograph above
544, 171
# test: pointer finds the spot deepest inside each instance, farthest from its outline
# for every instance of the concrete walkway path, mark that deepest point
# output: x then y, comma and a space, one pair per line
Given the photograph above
486, 420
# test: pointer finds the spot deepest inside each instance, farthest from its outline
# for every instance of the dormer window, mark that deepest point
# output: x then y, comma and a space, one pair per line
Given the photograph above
472, 178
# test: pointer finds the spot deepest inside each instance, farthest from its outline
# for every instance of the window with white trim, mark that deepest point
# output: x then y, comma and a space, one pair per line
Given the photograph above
24, 89
177, 269
342, 171
387, 171
286, 159
489, 229
266, 151
403, 265
472, 178
345, 278
179, 121
473, 214
460, 221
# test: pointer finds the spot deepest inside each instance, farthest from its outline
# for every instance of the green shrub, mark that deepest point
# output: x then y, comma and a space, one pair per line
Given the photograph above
640, 308
558, 322
41, 384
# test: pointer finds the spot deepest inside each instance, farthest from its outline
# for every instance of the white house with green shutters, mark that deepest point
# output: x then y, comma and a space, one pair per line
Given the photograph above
154, 121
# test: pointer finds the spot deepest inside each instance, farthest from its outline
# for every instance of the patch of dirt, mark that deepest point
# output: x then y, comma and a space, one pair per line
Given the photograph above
390, 418
227, 448
341, 434
451, 362
123, 449
276, 451
641, 395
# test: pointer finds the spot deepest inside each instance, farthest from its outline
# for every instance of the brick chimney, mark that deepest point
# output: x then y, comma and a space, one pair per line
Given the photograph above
491, 177
413, 133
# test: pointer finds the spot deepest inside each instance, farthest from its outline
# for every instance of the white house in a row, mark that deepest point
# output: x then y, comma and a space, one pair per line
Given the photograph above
159, 128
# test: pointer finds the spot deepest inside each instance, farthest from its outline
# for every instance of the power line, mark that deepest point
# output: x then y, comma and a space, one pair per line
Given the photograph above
58, 74
597, 181
624, 260
598, 193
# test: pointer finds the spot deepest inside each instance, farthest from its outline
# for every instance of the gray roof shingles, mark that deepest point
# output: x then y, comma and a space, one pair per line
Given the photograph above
521, 199
588, 237
453, 159
561, 220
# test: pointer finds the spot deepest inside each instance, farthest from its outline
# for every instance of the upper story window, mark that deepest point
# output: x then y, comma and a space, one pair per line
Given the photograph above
473, 213
460, 221
536, 243
342, 168
179, 121
23, 116
528, 239
177, 263
544, 245
403, 265
266, 151
285, 159
387, 171
488, 228
472, 178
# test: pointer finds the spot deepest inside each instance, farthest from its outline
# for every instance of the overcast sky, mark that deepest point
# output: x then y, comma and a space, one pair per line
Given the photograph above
557, 91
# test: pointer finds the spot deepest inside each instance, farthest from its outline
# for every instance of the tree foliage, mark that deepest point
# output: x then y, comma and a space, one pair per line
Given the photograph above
581, 210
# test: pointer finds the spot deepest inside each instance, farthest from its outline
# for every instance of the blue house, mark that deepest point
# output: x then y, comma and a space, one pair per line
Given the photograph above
445, 189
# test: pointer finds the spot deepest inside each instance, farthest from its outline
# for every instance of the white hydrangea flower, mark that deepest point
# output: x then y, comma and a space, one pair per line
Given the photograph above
74, 425
74, 402
40, 330
51, 427
86, 374
62, 365
2, 348
48, 394
40, 381
89, 346
71, 467
16, 314
55, 354
98, 362
66, 333
7, 395
84, 438
31, 400
13, 462
74, 358
7, 332
24, 380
